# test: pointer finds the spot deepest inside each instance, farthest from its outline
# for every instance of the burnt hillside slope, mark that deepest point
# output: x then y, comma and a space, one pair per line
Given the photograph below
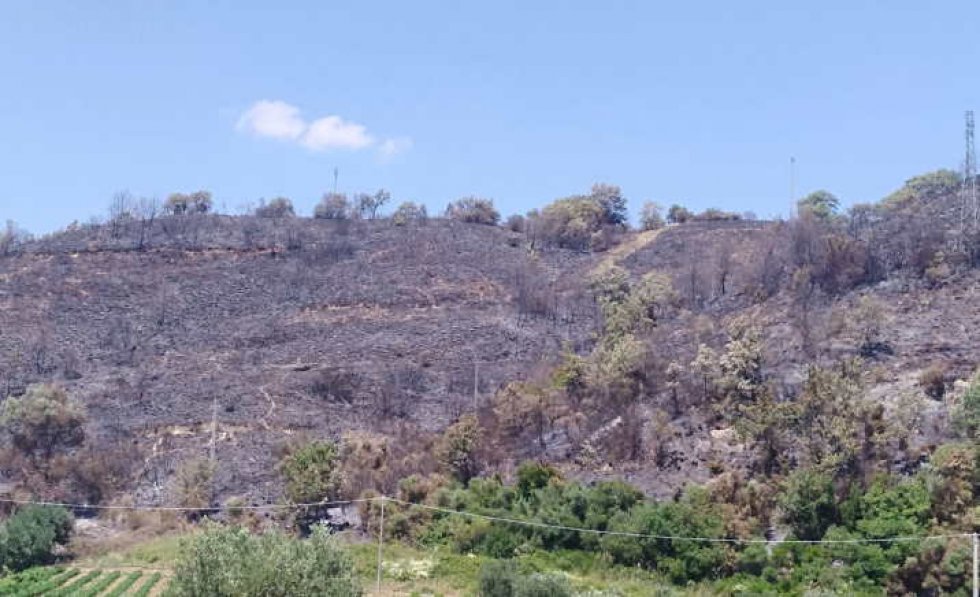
315, 327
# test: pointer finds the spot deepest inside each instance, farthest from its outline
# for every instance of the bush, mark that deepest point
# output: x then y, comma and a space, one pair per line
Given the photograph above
193, 483
678, 214
543, 585
29, 536
966, 414
457, 450
809, 505
333, 206
280, 207
498, 578
650, 218
473, 210
933, 381
224, 561
312, 473
582, 222
43, 422
198, 202
409, 212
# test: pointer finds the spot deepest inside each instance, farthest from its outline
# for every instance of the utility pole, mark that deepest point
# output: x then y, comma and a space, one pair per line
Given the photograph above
214, 427
336, 172
792, 184
381, 539
976, 566
476, 383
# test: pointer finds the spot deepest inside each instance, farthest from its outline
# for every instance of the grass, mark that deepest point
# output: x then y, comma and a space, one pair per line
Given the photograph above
158, 552
411, 571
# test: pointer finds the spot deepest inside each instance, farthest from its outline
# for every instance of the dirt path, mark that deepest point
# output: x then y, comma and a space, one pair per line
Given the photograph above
624, 250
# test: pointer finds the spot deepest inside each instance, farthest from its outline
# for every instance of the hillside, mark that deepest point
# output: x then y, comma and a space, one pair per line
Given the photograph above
286, 328
364, 325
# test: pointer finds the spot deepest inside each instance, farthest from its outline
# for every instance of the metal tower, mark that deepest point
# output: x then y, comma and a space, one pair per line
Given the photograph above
970, 207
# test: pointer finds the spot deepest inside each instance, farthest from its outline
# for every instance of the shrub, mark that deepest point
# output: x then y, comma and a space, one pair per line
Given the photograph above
532, 476
809, 505
198, 202
820, 204
43, 422
650, 218
457, 450
280, 207
409, 212
224, 561
516, 223
678, 214
473, 210
966, 414
29, 536
543, 585
681, 560
498, 578
933, 381
581, 221
332, 206
312, 472
193, 483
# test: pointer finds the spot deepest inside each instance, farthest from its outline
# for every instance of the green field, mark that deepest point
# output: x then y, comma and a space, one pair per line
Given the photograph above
56, 581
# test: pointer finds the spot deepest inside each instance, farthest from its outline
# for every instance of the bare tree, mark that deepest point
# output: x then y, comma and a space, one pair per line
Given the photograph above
147, 210
120, 211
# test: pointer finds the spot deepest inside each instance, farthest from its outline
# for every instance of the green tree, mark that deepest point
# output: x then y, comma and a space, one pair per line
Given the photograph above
610, 200
821, 204
409, 212
678, 214
29, 536
332, 206
198, 202
458, 448
473, 210
925, 187
966, 414
312, 472
280, 207
809, 505
43, 422
231, 562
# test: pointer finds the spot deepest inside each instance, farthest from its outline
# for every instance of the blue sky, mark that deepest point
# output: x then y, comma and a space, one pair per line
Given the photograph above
695, 102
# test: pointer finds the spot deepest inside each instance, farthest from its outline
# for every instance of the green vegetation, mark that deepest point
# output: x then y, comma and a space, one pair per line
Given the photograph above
280, 207
97, 588
312, 472
473, 210
224, 561
145, 588
124, 585
29, 536
819, 204
78, 583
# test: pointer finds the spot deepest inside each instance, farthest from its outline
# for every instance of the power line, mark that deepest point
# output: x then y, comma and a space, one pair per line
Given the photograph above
532, 523
489, 518
139, 508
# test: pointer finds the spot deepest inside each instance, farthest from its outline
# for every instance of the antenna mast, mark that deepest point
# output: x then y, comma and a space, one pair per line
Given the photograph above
969, 190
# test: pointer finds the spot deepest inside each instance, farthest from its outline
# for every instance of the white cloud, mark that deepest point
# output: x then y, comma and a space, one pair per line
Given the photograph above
276, 119
332, 132
389, 148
